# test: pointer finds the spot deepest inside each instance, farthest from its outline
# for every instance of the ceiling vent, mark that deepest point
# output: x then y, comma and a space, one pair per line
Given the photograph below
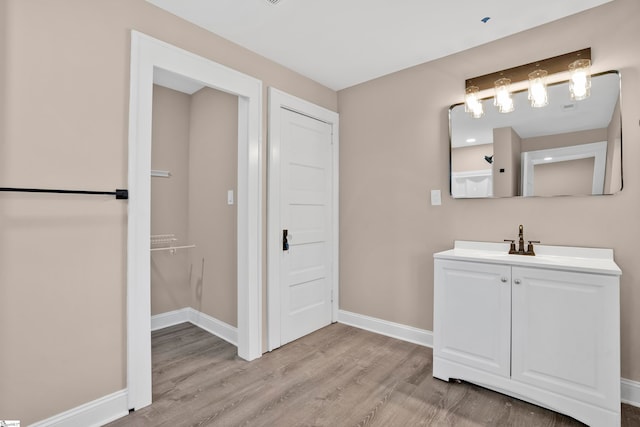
274, 1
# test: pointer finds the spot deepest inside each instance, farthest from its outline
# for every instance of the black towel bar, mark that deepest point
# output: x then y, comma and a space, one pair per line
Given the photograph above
119, 193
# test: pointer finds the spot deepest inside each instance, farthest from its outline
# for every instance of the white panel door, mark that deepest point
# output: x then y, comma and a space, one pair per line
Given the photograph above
472, 315
306, 215
560, 334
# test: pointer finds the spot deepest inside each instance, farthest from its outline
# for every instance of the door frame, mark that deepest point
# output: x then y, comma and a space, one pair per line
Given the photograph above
147, 53
278, 100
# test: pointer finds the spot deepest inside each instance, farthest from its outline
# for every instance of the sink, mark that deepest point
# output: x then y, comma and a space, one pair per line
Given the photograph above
593, 260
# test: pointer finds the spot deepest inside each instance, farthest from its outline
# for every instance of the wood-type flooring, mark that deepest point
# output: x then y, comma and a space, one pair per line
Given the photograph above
337, 376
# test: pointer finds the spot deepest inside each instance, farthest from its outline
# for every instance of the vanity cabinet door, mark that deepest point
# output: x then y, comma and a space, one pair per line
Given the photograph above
563, 334
472, 314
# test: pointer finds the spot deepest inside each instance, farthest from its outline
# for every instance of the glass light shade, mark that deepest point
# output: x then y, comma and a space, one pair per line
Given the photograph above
538, 95
580, 79
472, 104
502, 98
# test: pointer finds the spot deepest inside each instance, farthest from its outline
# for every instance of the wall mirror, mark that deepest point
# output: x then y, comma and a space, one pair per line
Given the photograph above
565, 148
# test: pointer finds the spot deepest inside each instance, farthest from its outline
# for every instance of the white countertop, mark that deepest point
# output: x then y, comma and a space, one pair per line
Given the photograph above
588, 260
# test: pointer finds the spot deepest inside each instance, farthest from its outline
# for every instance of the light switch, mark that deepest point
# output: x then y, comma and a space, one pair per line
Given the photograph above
436, 199
230, 197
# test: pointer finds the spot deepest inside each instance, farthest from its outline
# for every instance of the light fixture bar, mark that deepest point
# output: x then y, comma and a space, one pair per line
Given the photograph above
557, 64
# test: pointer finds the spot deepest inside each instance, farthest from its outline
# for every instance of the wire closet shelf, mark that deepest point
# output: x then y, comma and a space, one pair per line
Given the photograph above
166, 242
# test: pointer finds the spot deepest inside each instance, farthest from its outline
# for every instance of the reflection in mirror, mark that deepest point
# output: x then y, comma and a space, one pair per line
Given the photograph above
566, 148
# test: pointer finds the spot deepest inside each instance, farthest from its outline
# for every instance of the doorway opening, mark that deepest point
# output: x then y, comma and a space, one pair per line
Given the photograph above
147, 55
193, 210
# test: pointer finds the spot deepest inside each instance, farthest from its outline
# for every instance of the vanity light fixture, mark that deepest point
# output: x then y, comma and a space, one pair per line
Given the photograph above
503, 99
537, 73
538, 95
472, 104
580, 80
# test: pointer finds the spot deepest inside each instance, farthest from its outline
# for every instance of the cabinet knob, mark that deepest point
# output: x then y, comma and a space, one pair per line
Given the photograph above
503, 279
517, 281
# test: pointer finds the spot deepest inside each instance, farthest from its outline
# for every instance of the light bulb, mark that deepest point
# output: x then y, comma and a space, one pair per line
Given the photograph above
503, 99
538, 89
580, 80
472, 104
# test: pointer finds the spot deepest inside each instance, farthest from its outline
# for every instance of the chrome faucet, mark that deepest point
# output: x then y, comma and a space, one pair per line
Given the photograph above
521, 250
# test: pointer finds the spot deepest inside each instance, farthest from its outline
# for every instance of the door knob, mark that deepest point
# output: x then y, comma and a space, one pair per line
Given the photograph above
285, 242
503, 279
517, 281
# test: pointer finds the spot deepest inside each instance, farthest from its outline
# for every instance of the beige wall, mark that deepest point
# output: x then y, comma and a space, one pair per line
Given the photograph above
571, 177
63, 258
169, 198
3, 45
564, 139
388, 229
213, 169
465, 159
506, 162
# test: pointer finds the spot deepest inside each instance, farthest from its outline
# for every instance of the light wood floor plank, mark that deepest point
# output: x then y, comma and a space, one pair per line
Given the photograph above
337, 376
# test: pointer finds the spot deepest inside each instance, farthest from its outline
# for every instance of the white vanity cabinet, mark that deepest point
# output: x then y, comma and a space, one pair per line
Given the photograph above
544, 329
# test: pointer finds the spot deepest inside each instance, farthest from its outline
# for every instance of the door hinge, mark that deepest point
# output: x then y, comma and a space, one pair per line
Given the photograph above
331, 295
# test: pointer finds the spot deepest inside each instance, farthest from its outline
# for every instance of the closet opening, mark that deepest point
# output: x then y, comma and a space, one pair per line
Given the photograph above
194, 158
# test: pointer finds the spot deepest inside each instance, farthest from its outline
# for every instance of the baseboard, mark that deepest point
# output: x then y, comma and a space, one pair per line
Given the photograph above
630, 392
96, 413
170, 318
384, 327
212, 325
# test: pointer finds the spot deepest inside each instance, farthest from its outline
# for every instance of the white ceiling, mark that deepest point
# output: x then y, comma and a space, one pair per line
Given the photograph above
175, 81
340, 43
